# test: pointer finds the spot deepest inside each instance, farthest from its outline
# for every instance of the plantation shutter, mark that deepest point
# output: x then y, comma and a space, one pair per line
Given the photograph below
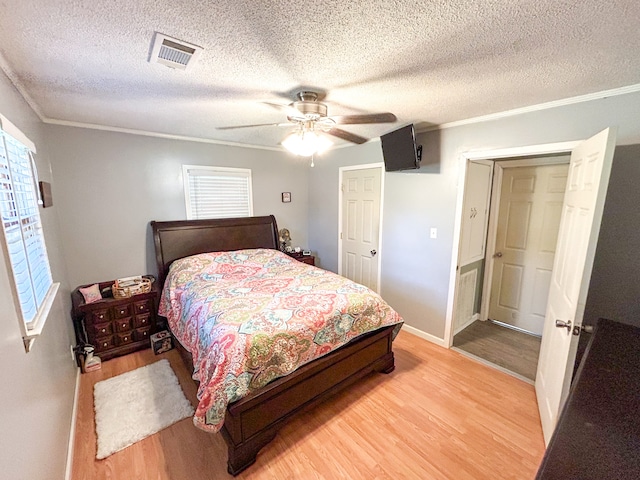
215, 192
22, 227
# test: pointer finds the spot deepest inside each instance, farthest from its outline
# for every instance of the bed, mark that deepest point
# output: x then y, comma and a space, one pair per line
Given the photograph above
252, 421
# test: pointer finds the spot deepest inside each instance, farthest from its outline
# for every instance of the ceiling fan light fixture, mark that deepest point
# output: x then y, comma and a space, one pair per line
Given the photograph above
306, 143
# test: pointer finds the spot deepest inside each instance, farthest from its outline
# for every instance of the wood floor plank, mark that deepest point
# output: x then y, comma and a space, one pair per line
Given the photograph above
516, 351
439, 415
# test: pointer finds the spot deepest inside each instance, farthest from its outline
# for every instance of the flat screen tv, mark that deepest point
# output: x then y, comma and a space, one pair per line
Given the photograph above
399, 150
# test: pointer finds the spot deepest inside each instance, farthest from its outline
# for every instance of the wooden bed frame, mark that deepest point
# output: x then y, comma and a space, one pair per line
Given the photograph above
253, 421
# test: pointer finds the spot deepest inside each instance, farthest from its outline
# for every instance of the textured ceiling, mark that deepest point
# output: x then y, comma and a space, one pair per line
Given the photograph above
430, 61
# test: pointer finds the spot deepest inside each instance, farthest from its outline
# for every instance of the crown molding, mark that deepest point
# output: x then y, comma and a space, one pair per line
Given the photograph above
541, 106
146, 133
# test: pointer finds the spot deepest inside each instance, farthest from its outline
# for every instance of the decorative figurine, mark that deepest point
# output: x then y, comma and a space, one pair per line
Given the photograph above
285, 239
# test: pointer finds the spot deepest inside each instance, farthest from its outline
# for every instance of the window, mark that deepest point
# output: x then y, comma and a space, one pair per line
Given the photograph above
217, 192
26, 252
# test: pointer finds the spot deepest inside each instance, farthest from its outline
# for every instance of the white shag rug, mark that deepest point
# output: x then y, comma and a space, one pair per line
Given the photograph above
136, 404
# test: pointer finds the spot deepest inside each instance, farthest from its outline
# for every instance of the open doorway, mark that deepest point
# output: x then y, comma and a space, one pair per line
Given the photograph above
583, 205
511, 215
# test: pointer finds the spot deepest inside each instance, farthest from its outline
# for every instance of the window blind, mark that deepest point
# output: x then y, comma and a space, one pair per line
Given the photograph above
216, 192
22, 227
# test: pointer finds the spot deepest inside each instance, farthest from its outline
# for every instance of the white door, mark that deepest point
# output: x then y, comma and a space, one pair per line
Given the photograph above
527, 231
477, 193
361, 225
579, 227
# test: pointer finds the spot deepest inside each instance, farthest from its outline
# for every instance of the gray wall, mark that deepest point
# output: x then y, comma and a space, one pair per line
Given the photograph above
36, 397
111, 185
614, 291
416, 269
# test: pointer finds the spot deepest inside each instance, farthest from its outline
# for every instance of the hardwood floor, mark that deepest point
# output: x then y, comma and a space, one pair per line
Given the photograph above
516, 351
439, 415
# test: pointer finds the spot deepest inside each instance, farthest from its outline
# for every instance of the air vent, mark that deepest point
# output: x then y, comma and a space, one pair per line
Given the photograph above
172, 52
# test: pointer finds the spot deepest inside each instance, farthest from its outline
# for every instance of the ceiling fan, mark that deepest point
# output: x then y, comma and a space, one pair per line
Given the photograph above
309, 117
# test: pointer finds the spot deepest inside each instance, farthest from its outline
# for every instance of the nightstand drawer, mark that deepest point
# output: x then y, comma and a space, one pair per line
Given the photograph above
142, 320
308, 259
122, 311
104, 343
124, 338
123, 324
142, 307
140, 334
102, 329
99, 316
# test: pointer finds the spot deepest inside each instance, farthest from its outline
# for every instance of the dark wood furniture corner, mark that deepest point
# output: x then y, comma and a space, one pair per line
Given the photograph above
253, 421
597, 433
308, 259
115, 326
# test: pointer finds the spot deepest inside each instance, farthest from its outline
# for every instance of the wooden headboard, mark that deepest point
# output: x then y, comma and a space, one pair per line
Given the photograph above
178, 239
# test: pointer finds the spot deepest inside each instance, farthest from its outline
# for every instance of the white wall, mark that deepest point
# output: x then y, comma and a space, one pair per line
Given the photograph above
416, 269
37, 388
111, 185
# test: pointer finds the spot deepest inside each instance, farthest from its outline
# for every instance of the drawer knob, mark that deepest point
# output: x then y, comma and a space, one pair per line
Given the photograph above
105, 344
141, 307
124, 325
122, 312
104, 330
101, 316
126, 338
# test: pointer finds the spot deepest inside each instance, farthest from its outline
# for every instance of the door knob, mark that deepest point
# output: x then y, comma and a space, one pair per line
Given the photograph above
373, 253
498, 254
563, 324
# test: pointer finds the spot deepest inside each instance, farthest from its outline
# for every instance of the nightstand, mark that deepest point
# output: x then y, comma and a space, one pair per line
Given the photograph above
308, 259
115, 326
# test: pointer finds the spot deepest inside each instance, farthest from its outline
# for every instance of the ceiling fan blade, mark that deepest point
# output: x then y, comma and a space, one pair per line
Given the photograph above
343, 134
256, 125
385, 117
292, 112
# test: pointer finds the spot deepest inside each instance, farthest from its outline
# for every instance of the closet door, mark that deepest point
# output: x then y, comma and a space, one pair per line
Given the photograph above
475, 212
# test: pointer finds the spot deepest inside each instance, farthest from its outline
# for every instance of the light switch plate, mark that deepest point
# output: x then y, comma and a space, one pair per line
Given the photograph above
433, 233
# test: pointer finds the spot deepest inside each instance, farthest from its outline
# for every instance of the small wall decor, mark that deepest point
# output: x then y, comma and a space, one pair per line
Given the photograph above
286, 197
45, 194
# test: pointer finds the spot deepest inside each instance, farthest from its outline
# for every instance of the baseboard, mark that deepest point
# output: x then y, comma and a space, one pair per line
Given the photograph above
424, 335
474, 317
72, 433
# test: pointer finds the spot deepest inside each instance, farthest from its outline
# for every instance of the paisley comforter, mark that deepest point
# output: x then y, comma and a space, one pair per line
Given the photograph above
251, 316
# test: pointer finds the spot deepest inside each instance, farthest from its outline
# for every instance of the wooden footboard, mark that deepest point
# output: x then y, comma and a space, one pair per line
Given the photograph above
254, 421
